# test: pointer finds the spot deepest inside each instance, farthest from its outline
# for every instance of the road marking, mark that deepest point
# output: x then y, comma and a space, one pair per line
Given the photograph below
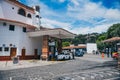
117, 73
101, 75
109, 74
83, 78
92, 77
10, 78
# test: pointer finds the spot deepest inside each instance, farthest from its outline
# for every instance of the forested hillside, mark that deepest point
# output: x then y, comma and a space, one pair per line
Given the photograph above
113, 31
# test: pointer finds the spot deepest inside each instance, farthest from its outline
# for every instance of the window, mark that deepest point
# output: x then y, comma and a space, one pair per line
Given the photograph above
29, 15
24, 29
22, 12
0, 48
37, 8
4, 24
37, 16
11, 27
6, 49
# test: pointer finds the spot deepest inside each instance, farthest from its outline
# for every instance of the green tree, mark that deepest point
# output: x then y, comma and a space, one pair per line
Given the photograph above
113, 31
102, 37
99, 42
64, 44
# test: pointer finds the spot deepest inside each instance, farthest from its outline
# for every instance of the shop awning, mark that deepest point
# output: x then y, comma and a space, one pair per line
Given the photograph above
57, 32
112, 39
74, 47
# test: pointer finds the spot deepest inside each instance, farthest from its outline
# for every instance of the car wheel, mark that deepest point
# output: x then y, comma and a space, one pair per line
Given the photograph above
64, 58
69, 58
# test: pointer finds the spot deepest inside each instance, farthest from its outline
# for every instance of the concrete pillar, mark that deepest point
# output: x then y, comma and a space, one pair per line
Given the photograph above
45, 48
59, 45
119, 61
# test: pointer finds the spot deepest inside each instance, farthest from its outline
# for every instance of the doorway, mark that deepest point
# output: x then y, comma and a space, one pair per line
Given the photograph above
23, 53
36, 53
13, 52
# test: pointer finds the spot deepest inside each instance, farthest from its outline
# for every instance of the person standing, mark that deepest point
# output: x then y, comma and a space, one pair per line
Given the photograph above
56, 54
93, 51
107, 52
102, 55
73, 53
50, 56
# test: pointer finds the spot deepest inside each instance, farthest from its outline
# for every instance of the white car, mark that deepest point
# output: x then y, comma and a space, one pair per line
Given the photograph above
64, 56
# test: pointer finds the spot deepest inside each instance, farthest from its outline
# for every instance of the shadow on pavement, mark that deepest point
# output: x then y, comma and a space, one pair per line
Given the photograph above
113, 63
107, 64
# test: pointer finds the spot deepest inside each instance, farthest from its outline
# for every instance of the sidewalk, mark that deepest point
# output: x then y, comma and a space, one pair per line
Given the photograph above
8, 65
96, 58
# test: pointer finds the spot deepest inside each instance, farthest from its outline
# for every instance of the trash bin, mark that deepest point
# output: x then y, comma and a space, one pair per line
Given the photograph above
15, 60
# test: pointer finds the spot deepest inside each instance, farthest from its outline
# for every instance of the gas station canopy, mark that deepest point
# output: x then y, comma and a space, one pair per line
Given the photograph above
57, 32
112, 39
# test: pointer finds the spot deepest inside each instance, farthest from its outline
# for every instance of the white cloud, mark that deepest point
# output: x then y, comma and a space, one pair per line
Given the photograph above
112, 14
92, 12
85, 30
53, 24
75, 2
61, 1
88, 11
82, 10
77, 30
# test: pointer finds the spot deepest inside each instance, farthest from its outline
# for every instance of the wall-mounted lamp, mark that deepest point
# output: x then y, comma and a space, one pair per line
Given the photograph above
3, 45
10, 44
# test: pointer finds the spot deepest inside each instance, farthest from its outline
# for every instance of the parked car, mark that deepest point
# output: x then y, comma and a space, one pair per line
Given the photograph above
64, 56
79, 53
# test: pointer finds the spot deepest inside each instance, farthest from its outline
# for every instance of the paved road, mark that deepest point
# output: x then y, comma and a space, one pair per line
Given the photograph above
78, 69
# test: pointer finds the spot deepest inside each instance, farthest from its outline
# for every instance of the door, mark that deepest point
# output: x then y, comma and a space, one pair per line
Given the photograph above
23, 53
13, 52
35, 53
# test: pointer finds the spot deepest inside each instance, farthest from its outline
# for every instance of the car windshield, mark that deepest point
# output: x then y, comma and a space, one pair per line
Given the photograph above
61, 53
66, 53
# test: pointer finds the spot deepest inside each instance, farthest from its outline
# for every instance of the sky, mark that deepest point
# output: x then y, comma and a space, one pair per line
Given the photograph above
78, 16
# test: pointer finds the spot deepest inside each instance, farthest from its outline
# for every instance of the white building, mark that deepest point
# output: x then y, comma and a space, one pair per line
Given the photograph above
20, 34
91, 47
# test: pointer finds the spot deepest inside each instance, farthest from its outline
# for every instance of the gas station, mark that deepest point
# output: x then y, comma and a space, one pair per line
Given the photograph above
51, 40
